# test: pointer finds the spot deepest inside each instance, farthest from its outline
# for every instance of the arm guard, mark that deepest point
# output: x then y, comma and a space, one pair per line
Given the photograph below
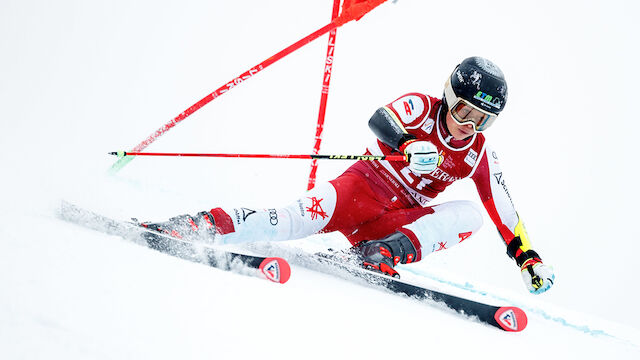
519, 248
388, 128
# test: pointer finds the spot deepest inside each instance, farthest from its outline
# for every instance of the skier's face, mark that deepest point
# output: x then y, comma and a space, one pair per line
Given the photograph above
457, 130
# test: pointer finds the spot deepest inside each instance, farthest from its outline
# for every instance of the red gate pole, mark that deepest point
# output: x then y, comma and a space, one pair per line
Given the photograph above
326, 79
355, 11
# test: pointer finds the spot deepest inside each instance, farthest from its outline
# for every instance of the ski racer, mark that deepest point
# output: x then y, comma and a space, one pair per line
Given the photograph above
385, 208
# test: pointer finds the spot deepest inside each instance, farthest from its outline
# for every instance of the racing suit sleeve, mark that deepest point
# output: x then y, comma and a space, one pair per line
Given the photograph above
388, 128
394, 122
496, 199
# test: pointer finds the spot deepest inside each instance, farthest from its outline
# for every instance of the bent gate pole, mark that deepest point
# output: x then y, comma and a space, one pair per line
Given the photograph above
352, 12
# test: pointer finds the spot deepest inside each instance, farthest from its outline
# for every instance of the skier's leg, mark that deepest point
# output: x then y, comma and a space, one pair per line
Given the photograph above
305, 216
439, 228
346, 201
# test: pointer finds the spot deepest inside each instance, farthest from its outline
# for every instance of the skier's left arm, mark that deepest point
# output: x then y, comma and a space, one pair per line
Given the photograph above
495, 197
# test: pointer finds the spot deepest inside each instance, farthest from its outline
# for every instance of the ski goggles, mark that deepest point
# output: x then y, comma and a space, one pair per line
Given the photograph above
464, 112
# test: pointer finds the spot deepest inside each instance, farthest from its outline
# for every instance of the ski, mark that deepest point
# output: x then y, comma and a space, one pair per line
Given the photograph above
274, 269
507, 318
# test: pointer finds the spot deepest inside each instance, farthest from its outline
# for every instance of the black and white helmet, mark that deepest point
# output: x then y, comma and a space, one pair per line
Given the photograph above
476, 84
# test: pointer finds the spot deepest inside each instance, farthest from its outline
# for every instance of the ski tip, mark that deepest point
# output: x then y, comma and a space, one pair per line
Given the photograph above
511, 318
276, 269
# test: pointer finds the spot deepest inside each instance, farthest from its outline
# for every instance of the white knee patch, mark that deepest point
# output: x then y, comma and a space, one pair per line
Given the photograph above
450, 224
313, 211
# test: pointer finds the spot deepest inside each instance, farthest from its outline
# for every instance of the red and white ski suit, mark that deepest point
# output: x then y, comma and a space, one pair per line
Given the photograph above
372, 199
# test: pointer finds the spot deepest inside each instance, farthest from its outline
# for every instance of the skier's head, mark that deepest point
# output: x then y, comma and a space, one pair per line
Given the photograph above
475, 93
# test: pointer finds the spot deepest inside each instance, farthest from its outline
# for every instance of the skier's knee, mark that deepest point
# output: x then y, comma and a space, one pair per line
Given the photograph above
460, 214
449, 224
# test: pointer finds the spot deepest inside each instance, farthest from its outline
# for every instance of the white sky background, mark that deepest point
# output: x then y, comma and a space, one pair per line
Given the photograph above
79, 79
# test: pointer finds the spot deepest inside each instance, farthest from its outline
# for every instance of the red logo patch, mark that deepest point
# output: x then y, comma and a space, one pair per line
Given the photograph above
407, 108
316, 209
464, 236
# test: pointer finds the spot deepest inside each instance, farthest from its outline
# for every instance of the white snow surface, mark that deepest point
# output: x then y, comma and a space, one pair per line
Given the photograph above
82, 78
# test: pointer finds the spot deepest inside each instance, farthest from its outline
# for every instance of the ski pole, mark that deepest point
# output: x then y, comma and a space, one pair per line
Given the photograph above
354, 11
123, 154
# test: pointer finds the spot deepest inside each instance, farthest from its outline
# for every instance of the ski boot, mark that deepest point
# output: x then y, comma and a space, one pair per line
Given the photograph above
200, 227
383, 255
